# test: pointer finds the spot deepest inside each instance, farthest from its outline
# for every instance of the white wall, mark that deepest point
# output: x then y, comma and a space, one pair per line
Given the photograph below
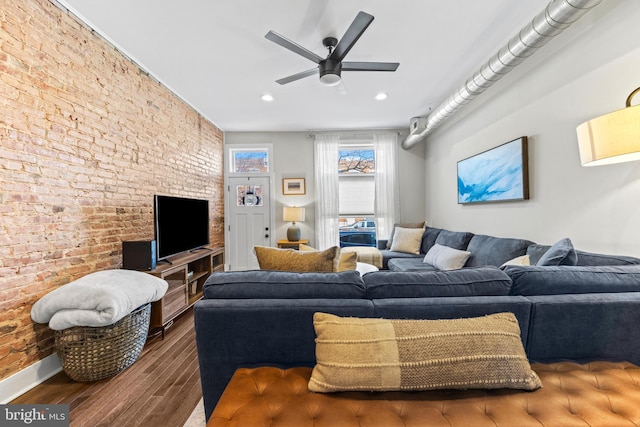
293, 158
585, 72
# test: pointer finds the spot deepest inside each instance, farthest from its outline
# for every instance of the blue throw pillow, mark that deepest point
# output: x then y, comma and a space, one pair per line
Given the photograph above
561, 253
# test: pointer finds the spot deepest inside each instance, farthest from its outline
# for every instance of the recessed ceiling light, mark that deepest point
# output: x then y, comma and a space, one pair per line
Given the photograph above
381, 96
267, 97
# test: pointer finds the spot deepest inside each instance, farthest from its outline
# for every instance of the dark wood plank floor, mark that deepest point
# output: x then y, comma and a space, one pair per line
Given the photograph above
161, 388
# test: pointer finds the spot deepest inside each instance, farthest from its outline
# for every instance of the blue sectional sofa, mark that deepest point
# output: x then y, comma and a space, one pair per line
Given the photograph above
579, 312
485, 250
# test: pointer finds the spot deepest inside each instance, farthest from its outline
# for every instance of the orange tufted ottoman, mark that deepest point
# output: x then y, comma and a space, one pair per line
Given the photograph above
598, 394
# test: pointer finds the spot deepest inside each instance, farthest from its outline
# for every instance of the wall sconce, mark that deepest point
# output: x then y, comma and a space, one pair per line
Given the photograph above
612, 138
293, 214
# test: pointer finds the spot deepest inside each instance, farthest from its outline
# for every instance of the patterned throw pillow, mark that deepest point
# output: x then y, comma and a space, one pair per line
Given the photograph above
292, 260
346, 262
386, 355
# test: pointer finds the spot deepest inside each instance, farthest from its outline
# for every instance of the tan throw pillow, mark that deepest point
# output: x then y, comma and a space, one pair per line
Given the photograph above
292, 260
404, 225
385, 355
521, 260
407, 240
347, 260
446, 258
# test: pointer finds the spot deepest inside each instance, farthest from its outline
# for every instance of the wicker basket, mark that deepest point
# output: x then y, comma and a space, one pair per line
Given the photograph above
94, 353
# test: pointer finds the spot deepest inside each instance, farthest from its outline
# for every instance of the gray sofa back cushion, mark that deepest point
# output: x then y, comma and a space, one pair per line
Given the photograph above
564, 279
284, 285
429, 239
584, 258
489, 250
420, 284
454, 239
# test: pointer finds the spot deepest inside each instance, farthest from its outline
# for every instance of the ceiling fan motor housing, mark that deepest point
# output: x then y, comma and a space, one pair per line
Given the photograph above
330, 72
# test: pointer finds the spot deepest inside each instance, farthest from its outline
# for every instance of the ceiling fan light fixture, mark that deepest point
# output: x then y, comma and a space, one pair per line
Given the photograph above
330, 72
330, 79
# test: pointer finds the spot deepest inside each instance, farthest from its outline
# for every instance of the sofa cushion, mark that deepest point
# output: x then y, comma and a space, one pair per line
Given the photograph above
489, 250
384, 355
429, 239
563, 279
389, 255
292, 260
403, 225
446, 258
454, 239
560, 253
283, 284
584, 258
417, 284
409, 264
407, 240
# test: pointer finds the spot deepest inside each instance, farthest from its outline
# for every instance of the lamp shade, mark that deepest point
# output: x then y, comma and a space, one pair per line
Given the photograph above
293, 214
612, 138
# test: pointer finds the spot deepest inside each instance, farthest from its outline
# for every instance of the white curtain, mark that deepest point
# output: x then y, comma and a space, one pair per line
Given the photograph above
386, 183
326, 176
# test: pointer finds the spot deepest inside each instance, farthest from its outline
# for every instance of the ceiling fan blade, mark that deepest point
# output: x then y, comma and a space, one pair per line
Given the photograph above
298, 76
370, 66
292, 46
355, 30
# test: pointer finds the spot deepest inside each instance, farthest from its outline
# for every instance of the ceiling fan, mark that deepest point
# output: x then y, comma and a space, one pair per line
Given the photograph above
331, 67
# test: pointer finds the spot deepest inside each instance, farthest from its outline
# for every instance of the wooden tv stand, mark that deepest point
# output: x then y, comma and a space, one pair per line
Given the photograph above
186, 274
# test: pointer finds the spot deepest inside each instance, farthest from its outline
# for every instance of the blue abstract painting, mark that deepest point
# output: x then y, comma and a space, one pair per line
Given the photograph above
498, 174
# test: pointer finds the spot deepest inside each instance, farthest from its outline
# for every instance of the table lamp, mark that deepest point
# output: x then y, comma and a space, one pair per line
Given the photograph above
293, 214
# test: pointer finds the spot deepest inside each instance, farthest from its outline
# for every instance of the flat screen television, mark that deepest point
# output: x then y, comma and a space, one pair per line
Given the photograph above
181, 224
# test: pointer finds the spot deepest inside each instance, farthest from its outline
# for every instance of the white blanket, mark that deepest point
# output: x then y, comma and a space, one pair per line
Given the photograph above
98, 299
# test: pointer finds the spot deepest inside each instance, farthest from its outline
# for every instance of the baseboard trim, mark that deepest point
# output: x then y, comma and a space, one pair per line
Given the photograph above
24, 380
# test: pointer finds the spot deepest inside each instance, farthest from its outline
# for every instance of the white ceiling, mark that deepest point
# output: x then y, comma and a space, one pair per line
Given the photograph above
213, 54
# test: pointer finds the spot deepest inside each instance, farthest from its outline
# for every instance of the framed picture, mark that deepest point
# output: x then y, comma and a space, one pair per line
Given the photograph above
496, 175
293, 186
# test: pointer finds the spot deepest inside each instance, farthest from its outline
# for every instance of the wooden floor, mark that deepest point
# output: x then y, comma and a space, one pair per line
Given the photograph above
160, 389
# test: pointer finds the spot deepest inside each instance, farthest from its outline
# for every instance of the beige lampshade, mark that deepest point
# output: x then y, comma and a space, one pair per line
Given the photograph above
612, 138
293, 214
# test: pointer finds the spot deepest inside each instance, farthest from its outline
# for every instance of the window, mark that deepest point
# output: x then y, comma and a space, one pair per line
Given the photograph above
249, 160
356, 169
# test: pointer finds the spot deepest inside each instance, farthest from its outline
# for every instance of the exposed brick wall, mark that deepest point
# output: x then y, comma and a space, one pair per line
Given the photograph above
86, 138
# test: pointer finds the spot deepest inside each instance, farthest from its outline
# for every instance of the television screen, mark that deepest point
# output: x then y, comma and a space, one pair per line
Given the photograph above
181, 224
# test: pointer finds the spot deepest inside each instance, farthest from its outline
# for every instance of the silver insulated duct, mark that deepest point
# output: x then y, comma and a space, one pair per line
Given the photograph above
555, 18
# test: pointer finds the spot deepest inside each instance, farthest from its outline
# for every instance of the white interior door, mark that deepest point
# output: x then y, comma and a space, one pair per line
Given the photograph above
249, 220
